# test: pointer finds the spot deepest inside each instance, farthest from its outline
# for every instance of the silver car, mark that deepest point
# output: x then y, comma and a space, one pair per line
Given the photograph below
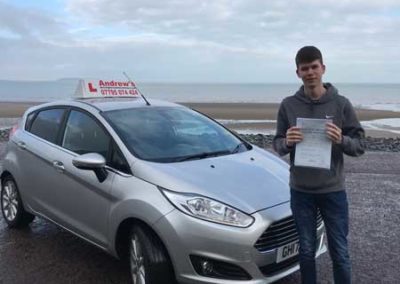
169, 189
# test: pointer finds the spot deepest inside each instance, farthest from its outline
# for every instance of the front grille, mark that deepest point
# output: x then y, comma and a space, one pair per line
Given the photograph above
280, 233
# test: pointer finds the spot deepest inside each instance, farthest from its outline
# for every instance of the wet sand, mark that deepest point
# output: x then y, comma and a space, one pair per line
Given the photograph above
8, 109
268, 111
235, 111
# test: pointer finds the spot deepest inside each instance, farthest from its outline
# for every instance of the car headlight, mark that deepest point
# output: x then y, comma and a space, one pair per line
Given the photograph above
208, 209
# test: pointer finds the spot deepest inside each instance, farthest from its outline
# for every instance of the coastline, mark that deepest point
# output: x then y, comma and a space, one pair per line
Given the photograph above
261, 115
15, 109
243, 117
269, 111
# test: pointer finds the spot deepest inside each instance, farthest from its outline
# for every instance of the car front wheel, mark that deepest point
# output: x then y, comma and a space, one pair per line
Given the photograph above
148, 260
11, 205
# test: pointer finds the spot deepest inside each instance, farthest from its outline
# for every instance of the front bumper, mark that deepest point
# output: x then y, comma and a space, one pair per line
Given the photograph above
185, 236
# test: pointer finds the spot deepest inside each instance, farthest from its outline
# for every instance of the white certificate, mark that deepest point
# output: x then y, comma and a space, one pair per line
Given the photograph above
316, 148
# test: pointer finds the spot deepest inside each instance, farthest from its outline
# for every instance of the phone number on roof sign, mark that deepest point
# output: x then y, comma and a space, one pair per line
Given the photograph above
113, 92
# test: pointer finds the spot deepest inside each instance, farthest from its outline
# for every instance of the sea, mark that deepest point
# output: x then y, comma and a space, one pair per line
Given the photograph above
367, 96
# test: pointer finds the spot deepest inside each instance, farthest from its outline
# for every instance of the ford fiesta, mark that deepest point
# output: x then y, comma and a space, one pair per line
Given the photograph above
170, 190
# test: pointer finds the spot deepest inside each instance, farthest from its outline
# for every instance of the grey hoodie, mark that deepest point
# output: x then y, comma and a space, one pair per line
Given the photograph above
330, 105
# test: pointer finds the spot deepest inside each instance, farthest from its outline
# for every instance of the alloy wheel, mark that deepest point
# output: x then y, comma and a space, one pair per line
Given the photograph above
137, 261
10, 200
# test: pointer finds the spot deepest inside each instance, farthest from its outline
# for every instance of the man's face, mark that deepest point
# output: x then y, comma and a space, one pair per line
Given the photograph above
311, 73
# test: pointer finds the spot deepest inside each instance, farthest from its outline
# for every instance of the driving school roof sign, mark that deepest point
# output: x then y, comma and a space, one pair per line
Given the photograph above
89, 88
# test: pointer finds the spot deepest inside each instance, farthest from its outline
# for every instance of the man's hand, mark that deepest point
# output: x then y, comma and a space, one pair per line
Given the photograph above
293, 136
334, 133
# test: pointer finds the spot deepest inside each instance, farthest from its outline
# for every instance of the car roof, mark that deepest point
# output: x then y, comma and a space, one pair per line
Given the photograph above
109, 103
106, 104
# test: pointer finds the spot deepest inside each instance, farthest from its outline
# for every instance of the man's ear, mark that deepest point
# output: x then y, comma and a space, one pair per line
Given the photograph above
323, 68
297, 72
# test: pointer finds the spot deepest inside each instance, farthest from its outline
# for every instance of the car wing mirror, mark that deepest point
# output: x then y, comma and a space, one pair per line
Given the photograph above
94, 162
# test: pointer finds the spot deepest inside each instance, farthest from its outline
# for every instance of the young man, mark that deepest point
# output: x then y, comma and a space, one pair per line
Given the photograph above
314, 189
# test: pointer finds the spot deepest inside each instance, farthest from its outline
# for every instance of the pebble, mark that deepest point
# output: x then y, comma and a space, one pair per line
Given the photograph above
4, 134
371, 143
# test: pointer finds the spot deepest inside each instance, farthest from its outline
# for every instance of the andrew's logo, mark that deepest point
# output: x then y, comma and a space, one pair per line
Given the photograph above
329, 116
91, 88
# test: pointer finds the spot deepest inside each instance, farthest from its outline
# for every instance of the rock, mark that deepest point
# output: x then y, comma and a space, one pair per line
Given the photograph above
4, 133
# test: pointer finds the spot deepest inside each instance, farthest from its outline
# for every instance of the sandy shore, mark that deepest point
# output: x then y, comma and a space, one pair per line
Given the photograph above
8, 109
268, 111
236, 111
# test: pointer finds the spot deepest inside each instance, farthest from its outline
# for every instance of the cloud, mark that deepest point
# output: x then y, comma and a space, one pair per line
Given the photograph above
253, 24
198, 40
31, 23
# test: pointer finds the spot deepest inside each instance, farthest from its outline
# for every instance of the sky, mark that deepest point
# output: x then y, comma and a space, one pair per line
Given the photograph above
222, 41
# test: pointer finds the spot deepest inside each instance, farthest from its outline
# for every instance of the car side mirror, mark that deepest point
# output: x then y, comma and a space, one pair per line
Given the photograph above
94, 162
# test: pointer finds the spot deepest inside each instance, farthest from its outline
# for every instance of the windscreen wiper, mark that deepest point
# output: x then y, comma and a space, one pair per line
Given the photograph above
237, 148
203, 155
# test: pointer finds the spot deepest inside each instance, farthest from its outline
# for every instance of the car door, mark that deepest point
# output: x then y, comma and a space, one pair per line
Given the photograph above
80, 200
35, 151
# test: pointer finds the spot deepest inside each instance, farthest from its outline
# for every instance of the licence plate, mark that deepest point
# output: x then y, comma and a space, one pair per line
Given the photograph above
287, 251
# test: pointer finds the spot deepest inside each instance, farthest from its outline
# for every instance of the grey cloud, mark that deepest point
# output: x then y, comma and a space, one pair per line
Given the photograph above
30, 23
246, 24
198, 40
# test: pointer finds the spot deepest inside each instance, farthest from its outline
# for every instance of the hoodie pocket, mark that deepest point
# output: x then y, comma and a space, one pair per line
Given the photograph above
312, 178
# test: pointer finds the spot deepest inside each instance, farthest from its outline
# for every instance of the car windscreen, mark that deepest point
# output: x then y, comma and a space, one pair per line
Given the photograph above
172, 134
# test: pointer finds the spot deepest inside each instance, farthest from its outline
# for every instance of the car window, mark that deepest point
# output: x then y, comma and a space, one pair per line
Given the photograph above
47, 123
118, 161
84, 135
29, 120
170, 134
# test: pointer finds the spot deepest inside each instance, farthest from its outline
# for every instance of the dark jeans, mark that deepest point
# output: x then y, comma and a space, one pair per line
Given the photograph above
334, 210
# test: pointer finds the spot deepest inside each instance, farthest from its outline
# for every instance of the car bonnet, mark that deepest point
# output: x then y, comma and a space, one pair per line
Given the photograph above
249, 181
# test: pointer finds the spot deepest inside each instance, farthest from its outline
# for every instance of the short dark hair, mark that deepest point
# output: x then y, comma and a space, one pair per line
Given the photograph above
308, 54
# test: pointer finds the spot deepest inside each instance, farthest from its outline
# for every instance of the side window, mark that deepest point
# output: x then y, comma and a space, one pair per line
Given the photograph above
47, 123
29, 120
118, 161
83, 135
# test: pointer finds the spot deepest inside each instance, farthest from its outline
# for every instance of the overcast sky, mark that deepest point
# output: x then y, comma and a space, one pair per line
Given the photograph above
198, 40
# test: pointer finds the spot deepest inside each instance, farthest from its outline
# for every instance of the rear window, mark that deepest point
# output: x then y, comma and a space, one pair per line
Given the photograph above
47, 124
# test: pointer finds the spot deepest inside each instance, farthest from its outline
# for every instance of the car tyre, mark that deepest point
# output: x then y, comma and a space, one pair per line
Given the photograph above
11, 205
148, 259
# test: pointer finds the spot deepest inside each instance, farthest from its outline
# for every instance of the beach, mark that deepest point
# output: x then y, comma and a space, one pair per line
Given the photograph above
247, 117
255, 117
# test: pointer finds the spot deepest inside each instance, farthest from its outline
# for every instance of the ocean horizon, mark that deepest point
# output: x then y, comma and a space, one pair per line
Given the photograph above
363, 95
367, 96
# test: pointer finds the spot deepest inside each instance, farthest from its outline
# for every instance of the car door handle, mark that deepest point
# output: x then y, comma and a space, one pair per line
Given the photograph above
59, 166
21, 145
